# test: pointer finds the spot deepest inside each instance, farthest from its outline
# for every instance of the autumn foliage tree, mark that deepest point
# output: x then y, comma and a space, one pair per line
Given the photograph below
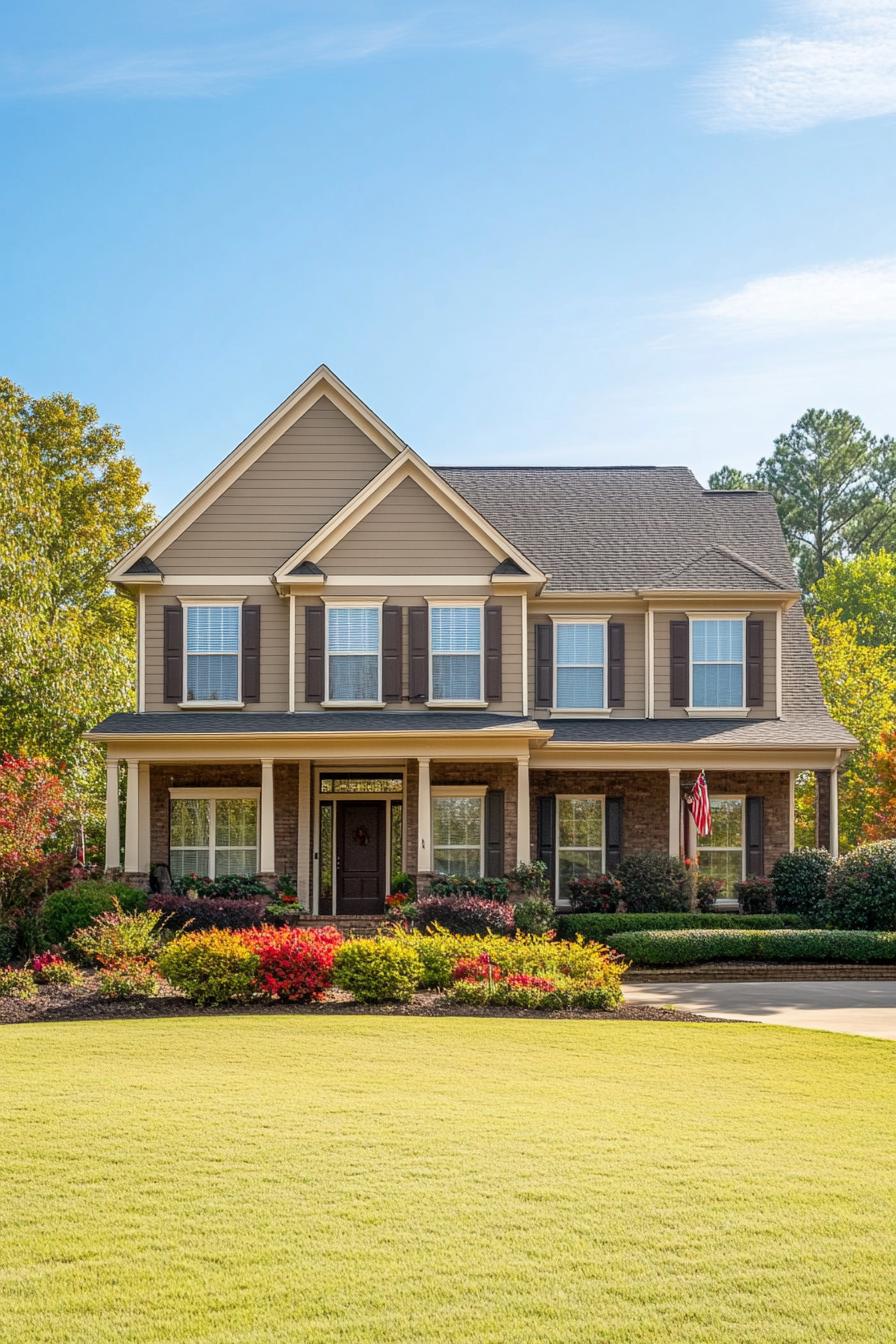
880, 821
32, 803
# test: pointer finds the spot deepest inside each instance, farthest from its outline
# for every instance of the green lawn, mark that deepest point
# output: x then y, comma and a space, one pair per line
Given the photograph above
367, 1179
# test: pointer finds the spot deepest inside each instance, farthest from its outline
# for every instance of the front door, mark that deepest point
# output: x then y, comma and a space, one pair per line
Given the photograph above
360, 858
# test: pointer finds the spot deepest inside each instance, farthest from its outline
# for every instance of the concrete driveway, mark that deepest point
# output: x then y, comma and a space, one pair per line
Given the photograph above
860, 1007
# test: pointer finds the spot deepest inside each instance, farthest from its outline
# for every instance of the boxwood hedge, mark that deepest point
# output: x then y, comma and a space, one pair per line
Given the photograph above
685, 947
597, 928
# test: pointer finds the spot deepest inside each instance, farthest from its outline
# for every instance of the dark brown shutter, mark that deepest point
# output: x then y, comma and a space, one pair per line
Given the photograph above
616, 664
547, 824
314, 654
392, 618
174, 654
418, 653
493, 688
544, 665
755, 838
251, 655
613, 821
679, 663
755, 661
494, 833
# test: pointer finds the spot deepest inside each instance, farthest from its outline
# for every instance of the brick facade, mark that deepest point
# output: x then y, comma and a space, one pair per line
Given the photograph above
823, 809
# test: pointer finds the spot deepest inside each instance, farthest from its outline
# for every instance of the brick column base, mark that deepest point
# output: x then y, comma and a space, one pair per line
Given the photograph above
138, 880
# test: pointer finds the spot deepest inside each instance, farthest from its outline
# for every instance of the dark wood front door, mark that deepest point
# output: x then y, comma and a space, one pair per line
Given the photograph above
360, 858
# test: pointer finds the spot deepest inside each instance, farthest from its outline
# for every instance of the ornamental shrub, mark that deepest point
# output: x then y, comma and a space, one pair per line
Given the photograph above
755, 895
130, 978
211, 967
708, 890
294, 964
113, 938
232, 887
280, 913
799, 883
207, 913
599, 927
653, 882
464, 914
377, 970
691, 946
862, 888
536, 992
486, 888
51, 969
63, 912
16, 984
9, 940
533, 915
600, 894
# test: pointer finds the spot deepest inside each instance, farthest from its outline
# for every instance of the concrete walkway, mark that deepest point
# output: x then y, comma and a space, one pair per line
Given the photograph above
860, 1007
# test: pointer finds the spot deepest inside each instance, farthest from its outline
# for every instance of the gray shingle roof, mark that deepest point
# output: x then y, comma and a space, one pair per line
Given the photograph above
717, 567
803, 730
611, 529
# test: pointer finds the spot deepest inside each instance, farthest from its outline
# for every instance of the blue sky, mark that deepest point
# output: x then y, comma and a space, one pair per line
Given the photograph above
588, 233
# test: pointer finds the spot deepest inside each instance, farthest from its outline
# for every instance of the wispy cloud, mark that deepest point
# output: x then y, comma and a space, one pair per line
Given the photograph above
832, 60
859, 294
571, 39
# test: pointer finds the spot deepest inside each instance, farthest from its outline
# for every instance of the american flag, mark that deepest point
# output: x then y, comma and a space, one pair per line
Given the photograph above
698, 805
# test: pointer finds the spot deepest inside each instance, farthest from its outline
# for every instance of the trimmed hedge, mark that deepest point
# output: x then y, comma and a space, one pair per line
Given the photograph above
691, 946
862, 888
597, 928
64, 912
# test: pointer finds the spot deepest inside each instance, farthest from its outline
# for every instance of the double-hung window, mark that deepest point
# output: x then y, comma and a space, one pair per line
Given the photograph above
721, 853
455, 637
212, 662
580, 664
717, 664
580, 839
457, 832
353, 654
214, 833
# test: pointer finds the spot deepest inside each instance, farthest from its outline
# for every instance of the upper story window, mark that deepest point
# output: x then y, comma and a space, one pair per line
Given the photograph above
580, 664
456, 653
212, 663
717, 664
353, 654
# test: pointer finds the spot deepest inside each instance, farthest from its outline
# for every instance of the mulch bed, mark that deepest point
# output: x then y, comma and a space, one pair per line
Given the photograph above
82, 1003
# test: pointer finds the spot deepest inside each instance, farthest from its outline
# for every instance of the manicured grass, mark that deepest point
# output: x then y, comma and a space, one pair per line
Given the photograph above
389, 1180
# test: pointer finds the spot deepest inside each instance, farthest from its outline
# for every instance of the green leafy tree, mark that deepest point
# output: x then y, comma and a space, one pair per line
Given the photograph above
862, 590
71, 503
834, 484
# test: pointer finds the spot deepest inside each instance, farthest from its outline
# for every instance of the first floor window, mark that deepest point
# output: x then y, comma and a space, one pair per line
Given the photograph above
214, 837
353, 654
580, 840
457, 835
717, 664
456, 642
212, 664
721, 853
580, 665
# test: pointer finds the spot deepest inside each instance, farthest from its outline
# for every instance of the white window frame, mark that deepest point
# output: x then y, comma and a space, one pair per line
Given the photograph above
596, 710
561, 897
212, 795
186, 604
363, 604
730, 849
472, 603
459, 791
718, 711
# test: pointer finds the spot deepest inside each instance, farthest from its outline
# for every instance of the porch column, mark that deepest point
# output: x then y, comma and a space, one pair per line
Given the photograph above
424, 818
266, 820
132, 819
835, 814
303, 857
113, 836
143, 818
523, 846
675, 813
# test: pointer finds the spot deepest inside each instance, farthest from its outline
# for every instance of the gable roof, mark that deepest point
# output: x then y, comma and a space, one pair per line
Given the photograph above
612, 529
409, 466
716, 568
321, 383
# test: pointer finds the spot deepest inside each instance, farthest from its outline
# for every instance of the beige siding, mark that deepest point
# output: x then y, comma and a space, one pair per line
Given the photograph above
311, 471
408, 533
662, 708
511, 624
274, 645
635, 707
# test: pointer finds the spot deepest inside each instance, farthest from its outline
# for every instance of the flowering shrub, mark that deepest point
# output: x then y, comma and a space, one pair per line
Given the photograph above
377, 970
184, 912
74, 907
51, 969
294, 964
464, 914
16, 984
755, 895
114, 938
800, 884
211, 967
599, 895
132, 977
545, 994
862, 888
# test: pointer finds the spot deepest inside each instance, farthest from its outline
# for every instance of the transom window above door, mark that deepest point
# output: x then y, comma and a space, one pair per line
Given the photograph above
212, 662
580, 664
353, 655
455, 635
717, 664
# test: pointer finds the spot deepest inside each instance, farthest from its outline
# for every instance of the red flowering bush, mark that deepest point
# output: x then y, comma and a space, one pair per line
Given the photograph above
537, 982
51, 969
476, 968
295, 964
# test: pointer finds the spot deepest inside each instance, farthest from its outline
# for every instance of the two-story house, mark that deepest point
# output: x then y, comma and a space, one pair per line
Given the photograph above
351, 664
